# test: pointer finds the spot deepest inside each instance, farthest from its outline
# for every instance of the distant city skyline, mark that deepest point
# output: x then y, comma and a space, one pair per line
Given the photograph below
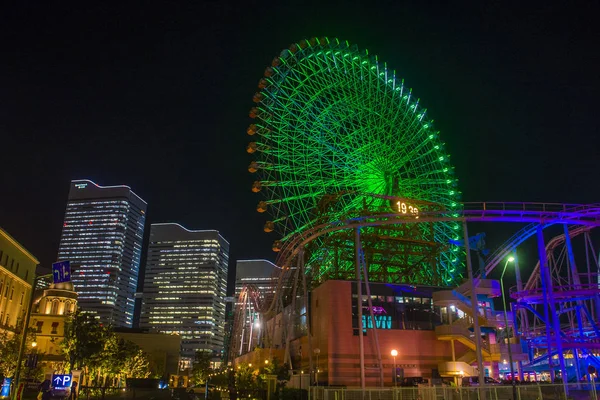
102, 237
185, 287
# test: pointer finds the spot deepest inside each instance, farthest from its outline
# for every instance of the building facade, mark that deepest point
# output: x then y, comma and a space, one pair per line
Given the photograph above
258, 273
428, 327
259, 279
102, 238
17, 272
52, 307
185, 287
163, 350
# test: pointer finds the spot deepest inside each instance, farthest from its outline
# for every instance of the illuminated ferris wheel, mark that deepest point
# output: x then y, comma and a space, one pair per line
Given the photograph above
335, 133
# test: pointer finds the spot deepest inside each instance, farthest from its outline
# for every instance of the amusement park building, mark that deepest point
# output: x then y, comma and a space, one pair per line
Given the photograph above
102, 238
185, 287
426, 325
17, 271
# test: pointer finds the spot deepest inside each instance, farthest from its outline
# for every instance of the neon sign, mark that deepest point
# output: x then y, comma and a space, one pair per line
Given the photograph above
381, 322
376, 309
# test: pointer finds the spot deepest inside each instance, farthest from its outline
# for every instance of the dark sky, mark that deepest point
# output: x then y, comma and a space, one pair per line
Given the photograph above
156, 96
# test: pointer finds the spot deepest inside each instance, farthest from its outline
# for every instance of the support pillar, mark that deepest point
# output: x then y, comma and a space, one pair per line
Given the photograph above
361, 343
372, 315
475, 309
543, 267
545, 272
306, 306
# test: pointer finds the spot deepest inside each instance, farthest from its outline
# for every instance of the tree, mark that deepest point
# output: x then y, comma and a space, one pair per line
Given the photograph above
9, 352
84, 341
201, 368
103, 355
136, 365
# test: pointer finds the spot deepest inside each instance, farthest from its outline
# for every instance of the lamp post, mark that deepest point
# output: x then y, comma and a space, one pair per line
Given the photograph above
510, 358
394, 353
317, 351
24, 331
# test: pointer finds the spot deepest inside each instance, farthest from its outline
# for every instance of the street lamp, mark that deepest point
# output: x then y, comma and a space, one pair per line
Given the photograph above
317, 351
394, 353
33, 344
506, 330
25, 327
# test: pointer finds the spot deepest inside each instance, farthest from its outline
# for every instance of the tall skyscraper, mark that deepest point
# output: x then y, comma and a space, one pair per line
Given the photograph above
260, 274
255, 272
185, 287
102, 237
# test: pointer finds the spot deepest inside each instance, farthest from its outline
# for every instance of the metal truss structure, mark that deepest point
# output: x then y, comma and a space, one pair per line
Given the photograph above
558, 308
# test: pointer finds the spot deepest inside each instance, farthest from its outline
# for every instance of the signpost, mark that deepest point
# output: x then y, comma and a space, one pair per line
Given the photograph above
61, 271
62, 381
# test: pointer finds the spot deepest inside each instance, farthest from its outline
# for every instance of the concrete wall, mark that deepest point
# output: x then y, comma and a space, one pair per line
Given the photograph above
419, 351
162, 349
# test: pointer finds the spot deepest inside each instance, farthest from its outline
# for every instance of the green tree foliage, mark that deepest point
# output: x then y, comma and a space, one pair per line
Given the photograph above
201, 368
281, 370
9, 353
101, 353
84, 341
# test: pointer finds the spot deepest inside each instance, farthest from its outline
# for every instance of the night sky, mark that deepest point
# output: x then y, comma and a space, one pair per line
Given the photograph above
156, 96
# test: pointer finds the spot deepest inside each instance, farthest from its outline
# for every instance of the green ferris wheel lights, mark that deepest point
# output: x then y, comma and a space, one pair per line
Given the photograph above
332, 126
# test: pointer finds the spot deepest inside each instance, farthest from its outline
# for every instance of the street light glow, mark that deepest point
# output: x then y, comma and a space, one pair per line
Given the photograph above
511, 259
394, 353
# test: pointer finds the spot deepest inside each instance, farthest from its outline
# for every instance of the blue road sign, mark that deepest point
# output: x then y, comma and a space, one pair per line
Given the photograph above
61, 271
5, 390
62, 381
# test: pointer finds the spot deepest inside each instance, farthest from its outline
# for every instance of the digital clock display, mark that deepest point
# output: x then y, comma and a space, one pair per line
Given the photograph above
406, 208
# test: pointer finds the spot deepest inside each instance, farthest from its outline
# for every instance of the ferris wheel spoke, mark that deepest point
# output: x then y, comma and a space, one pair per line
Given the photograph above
332, 119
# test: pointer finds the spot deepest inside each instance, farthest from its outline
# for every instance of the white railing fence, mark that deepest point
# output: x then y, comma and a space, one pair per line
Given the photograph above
500, 392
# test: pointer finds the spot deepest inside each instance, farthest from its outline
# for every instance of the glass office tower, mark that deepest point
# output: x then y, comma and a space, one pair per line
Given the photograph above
185, 287
102, 237
259, 273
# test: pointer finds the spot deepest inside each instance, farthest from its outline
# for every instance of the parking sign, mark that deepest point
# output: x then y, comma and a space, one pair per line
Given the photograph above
62, 381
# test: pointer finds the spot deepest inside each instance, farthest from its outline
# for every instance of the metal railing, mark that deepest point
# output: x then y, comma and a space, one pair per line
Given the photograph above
536, 391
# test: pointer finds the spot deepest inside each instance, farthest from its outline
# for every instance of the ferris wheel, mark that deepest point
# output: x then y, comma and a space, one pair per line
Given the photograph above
335, 132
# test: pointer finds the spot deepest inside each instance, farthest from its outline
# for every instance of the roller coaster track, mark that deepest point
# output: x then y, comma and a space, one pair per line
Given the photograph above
534, 213
583, 215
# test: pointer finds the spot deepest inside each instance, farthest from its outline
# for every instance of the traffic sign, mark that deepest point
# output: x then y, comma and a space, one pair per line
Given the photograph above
62, 381
61, 271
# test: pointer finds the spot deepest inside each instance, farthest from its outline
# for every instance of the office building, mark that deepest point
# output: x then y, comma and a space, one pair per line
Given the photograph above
17, 271
258, 273
185, 287
102, 237
260, 278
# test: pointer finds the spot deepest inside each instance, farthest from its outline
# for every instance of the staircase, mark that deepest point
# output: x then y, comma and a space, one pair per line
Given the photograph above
461, 329
461, 334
